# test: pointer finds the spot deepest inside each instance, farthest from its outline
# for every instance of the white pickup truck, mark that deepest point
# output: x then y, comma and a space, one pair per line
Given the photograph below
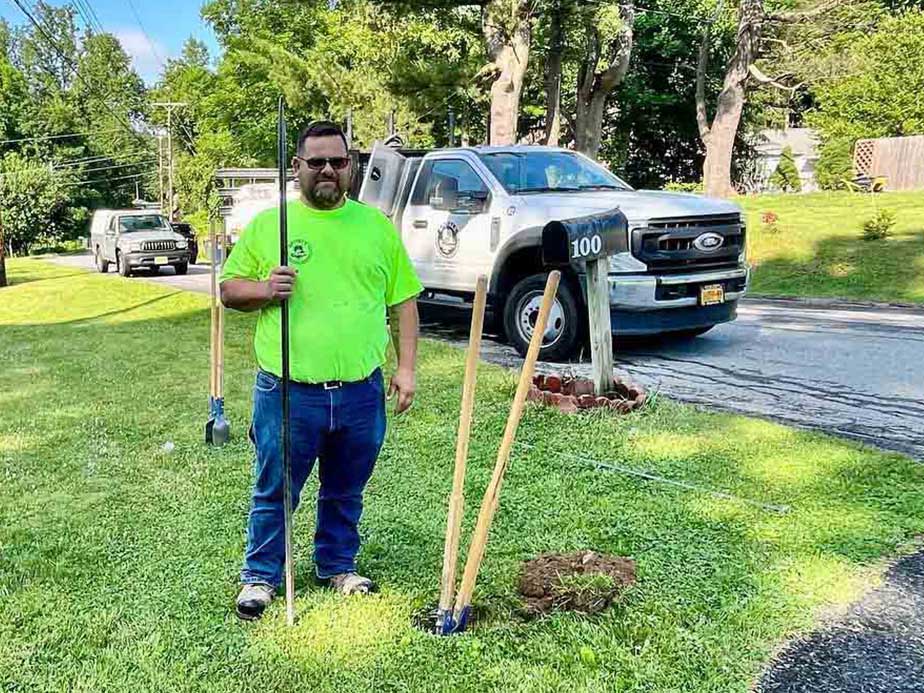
481, 210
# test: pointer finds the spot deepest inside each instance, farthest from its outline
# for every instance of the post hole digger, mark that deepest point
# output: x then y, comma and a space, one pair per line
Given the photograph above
217, 429
457, 621
444, 620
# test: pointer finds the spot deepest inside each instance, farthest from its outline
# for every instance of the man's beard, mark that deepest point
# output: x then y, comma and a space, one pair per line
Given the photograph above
325, 196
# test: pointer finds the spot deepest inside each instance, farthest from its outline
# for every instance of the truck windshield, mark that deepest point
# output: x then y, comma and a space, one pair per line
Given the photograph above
142, 222
549, 171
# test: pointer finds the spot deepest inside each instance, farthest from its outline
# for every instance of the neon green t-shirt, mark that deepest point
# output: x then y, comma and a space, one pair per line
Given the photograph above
351, 265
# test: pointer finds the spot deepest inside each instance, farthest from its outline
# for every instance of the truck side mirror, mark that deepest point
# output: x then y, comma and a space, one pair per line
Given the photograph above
473, 202
585, 238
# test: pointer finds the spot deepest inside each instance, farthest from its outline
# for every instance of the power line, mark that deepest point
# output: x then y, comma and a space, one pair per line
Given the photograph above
71, 65
93, 15
106, 180
109, 168
84, 16
61, 136
146, 35
85, 161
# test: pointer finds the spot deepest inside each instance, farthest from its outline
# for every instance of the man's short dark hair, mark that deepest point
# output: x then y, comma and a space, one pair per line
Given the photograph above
322, 128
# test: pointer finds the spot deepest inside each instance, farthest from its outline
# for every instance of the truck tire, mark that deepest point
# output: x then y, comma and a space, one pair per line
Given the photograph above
563, 333
124, 268
101, 265
181, 267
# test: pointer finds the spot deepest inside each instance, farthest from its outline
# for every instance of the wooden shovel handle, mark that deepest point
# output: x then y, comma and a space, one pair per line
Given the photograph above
456, 500
491, 496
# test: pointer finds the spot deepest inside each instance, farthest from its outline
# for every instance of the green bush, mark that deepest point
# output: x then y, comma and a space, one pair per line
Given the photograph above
835, 164
786, 176
880, 226
678, 186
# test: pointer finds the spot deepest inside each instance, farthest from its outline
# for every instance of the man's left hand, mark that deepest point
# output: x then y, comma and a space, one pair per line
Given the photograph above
403, 383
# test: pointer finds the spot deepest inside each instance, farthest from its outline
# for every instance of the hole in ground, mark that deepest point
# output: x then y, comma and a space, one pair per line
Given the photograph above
585, 582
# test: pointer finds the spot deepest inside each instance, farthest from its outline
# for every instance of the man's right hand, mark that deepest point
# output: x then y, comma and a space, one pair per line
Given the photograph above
281, 284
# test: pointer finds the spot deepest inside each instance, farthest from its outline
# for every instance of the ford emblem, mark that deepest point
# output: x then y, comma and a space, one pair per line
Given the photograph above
708, 242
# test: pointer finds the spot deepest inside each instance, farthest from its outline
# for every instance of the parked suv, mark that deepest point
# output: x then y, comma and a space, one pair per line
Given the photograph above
133, 239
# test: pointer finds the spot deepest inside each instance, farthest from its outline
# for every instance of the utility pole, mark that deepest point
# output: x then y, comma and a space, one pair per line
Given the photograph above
160, 171
452, 128
349, 128
170, 105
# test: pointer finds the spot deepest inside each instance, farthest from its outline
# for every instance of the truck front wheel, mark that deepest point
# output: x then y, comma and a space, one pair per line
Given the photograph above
122, 264
101, 264
521, 310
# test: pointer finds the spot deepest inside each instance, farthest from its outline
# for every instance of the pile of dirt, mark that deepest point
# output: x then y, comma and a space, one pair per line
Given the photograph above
584, 581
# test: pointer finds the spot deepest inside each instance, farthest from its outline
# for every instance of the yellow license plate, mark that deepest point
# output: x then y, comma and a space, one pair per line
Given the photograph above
161, 260
711, 294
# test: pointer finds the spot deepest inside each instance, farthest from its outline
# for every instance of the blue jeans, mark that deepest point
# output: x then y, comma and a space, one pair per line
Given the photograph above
343, 429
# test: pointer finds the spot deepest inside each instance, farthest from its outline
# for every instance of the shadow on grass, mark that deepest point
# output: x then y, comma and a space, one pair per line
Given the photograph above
851, 268
17, 278
717, 586
119, 311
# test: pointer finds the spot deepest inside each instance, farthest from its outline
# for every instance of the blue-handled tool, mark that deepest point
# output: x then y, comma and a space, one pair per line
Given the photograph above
217, 428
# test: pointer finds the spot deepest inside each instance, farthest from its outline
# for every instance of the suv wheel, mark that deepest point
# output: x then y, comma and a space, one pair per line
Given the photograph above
521, 310
181, 267
101, 264
124, 268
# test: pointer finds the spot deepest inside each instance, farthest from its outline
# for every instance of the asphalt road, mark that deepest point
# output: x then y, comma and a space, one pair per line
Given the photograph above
852, 370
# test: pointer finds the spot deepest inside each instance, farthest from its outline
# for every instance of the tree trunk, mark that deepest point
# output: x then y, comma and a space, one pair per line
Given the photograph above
3, 281
720, 144
553, 80
507, 31
588, 130
594, 88
719, 136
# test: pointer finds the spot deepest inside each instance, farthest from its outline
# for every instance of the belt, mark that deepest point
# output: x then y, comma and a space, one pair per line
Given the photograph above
329, 384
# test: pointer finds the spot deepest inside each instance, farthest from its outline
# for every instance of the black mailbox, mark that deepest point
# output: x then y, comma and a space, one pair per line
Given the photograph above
584, 238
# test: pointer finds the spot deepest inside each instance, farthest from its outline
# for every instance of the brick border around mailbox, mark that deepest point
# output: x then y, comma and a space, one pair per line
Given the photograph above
571, 395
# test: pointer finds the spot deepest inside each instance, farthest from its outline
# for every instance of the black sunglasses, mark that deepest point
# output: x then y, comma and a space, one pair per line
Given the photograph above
317, 163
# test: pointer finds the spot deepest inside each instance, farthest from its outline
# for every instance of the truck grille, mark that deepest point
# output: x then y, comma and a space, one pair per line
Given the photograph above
158, 245
667, 245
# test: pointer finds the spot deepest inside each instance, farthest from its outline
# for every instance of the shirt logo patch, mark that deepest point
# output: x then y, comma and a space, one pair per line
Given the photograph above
299, 251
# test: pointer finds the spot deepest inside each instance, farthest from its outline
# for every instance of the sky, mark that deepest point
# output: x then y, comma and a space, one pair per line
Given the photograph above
167, 23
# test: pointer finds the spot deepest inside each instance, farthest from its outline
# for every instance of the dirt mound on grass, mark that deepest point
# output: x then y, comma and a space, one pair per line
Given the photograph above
584, 581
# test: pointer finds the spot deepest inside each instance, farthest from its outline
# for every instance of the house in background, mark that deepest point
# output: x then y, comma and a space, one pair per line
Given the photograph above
770, 145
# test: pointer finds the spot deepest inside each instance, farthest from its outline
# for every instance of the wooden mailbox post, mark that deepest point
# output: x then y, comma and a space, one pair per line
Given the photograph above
591, 240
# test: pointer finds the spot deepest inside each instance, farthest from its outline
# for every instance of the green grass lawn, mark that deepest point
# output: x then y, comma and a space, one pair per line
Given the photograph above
817, 250
118, 561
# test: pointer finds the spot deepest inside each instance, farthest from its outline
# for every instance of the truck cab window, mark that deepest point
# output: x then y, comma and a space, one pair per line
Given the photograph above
543, 171
446, 182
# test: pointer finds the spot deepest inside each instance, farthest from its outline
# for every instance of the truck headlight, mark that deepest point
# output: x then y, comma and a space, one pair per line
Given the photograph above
134, 247
181, 245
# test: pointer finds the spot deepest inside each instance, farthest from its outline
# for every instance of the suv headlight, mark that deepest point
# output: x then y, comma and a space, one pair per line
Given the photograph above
134, 247
181, 244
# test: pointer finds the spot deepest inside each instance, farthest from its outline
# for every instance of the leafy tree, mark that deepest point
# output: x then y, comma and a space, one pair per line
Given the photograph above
880, 96
608, 40
786, 176
33, 200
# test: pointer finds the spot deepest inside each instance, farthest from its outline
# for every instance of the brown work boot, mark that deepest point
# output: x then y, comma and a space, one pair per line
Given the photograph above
351, 583
253, 600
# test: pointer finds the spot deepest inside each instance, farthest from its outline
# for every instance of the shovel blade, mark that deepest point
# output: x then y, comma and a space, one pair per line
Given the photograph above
221, 431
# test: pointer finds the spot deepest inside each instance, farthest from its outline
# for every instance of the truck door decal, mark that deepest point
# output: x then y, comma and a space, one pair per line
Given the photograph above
447, 239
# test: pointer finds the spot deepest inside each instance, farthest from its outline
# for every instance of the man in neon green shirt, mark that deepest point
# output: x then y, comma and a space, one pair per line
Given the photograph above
347, 268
